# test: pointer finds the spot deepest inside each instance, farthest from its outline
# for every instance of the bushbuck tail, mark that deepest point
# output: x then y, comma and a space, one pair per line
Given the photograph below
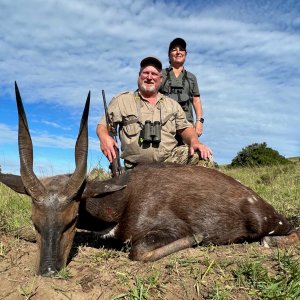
158, 208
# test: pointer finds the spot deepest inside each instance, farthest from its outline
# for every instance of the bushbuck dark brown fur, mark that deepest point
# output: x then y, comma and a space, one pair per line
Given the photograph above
158, 208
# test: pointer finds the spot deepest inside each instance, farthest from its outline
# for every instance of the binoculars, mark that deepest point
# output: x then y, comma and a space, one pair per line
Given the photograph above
176, 90
152, 132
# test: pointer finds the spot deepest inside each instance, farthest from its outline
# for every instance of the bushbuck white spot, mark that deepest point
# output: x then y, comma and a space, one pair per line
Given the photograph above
251, 199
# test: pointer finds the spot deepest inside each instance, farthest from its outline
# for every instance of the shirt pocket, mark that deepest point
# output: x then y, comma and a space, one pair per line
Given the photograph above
169, 123
131, 126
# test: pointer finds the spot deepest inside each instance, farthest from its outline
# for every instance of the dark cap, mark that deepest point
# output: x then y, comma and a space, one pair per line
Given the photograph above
178, 42
151, 61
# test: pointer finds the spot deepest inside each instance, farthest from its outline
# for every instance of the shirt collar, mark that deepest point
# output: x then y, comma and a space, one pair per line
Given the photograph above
171, 68
138, 96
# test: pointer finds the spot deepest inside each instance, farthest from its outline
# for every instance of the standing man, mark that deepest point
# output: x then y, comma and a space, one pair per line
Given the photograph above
148, 122
182, 85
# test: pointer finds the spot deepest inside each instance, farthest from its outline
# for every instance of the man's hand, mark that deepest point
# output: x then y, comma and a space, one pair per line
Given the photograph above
190, 138
107, 145
205, 152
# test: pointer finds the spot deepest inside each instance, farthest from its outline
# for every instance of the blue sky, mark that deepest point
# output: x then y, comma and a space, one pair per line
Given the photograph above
245, 54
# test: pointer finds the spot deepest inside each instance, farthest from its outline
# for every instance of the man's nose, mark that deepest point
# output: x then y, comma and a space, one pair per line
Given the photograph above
150, 76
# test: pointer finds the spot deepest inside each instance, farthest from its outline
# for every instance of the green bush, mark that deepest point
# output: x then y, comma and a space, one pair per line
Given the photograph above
258, 155
98, 174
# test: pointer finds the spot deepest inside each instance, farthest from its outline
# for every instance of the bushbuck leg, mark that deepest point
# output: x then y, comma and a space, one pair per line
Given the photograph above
139, 250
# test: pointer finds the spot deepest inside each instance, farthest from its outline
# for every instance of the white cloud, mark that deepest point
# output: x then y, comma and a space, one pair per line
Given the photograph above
7, 135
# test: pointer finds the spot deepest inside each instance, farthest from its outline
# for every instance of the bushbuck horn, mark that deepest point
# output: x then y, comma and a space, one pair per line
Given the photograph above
30, 181
81, 153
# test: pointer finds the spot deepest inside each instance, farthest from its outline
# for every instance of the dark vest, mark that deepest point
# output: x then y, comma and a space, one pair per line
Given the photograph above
179, 91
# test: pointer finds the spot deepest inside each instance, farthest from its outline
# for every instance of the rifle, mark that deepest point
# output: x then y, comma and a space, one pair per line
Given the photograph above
115, 165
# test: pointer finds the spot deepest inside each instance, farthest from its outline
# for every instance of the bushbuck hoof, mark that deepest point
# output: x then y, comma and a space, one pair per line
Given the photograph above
281, 241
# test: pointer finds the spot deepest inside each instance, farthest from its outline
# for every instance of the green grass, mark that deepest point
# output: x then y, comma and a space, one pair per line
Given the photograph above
28, 291
285, 284
15, 210
279, 185
63, 274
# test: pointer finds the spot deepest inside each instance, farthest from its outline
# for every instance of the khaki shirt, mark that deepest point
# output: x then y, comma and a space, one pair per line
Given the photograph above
130, 111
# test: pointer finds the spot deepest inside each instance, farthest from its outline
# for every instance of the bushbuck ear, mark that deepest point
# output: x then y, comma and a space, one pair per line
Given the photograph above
14, 182
97, 188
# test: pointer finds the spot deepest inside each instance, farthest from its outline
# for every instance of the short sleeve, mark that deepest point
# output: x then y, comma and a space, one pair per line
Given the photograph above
113, 111
194, 84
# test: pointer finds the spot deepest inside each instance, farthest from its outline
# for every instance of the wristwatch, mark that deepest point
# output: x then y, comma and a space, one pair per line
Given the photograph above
201, 120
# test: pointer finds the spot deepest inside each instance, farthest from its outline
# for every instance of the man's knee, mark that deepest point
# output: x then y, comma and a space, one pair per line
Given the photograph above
209, 163
181, 155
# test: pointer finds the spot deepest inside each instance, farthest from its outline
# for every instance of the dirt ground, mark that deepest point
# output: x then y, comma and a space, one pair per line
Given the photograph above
100, 270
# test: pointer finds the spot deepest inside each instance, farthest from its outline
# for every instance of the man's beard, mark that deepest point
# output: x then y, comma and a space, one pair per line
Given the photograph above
147, 89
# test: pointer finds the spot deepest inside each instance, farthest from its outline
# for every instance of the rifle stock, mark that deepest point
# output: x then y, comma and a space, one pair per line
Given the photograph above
115, 165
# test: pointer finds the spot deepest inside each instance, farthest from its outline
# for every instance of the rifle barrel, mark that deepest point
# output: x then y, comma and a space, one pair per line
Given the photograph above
116, 164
